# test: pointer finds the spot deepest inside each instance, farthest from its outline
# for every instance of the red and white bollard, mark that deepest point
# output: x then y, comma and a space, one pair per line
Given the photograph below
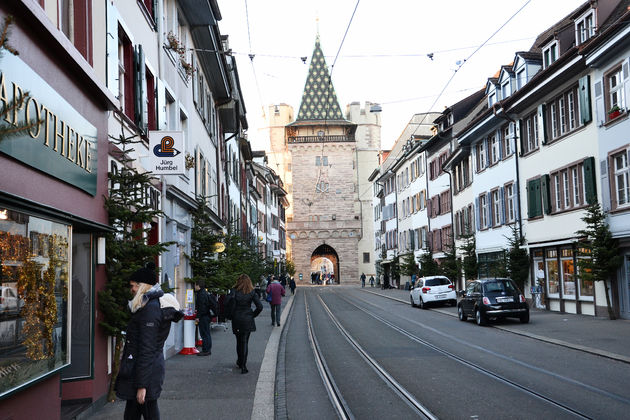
189, 335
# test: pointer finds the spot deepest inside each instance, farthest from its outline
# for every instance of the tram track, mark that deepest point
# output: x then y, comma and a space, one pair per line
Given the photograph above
498, 377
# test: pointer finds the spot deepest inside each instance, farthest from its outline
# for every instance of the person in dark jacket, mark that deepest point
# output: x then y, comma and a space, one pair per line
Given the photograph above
243, 316
204, 304
141, 373
292, 285
276, 291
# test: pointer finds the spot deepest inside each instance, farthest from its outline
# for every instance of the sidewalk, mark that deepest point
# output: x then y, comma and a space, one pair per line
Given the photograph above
591, 334
213, 386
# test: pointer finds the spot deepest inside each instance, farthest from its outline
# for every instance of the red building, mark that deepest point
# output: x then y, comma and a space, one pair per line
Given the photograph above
53, 177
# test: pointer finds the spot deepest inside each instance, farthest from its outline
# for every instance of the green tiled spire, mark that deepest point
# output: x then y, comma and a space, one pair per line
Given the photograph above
319, 100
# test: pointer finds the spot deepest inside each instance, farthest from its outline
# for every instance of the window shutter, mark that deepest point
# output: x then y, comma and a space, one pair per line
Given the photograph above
599, 102
502, 204
501, 146
490, 209
477, 213
162, 123
533, 198
112, 49
512, 139
487, 149
546, 195
584, 96
589, 180
521, 137
139, 82
607, 198
542, 123
517, 202
625, 71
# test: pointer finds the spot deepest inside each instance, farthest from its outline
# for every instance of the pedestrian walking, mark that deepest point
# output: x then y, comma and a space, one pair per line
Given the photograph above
413, 281
141, 373
362, 280
243, 324
371, 281
276, 291
206, 308
292, 285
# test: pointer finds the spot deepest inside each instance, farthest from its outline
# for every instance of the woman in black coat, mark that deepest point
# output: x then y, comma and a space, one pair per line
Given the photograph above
243, 295
141, 373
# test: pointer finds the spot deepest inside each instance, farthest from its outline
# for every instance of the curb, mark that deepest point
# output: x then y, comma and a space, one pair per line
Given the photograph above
263, 408
586, 349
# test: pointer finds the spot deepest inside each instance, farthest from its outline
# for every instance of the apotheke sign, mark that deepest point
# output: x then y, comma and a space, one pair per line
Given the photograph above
64, 144
165, 150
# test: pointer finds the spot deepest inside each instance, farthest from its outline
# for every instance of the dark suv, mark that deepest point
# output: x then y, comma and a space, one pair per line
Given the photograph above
492, 298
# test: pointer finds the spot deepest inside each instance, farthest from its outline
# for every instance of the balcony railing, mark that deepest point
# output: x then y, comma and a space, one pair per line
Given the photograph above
321, 139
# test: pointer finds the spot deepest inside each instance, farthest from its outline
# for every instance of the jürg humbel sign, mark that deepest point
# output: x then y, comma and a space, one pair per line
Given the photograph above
166, 151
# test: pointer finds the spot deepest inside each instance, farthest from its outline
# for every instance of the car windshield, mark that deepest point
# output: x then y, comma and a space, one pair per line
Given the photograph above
500, 286
440, 281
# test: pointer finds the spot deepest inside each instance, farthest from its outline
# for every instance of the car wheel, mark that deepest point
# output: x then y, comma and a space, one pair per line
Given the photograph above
422, 304
413, 305
480, 318
524, 318
461, 314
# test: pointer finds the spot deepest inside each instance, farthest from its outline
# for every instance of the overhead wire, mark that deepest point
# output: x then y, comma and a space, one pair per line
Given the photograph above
251, 60
465, 61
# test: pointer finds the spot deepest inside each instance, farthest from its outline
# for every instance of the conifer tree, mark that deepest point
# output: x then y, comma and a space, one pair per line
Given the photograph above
470, 266
451, 267
130, 215
428, 266
517, 258
203, 242
601, 249
408, 264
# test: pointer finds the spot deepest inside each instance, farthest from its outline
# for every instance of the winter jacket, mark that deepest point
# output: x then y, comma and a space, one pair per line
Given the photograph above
204, 303
243, 320
142, 364
277, 291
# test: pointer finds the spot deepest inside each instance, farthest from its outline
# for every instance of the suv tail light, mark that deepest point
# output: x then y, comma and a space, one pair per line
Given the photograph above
521, 298
486, 301
425, 289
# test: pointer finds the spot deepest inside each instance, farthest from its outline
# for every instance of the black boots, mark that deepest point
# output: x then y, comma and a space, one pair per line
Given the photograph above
244, 369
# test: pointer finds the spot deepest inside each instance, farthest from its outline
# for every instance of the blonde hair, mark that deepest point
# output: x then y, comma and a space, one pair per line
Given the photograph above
137, 302
244, 284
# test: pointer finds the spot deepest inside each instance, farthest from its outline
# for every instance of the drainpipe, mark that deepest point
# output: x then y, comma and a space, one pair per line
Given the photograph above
227, 183
500, 113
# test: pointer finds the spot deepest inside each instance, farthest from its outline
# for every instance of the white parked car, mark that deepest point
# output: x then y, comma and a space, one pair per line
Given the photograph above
433, 289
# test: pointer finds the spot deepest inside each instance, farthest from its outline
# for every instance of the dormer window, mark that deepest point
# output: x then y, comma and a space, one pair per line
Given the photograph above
550, 54
505, 89
585, 27
521, 78
492, 99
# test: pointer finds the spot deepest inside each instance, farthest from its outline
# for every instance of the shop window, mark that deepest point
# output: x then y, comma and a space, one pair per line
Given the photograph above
552, 274
34, 334
568, 272
81, 309
586, 287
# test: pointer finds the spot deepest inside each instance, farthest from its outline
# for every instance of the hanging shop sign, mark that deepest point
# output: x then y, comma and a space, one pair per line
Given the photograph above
165, 151
63, 144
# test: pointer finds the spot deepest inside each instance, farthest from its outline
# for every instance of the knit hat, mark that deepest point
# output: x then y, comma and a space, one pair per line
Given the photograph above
145, 275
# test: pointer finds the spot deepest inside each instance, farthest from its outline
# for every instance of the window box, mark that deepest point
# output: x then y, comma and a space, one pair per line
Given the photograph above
614, 112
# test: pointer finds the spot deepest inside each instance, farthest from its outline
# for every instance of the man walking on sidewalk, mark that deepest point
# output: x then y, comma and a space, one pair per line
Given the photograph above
205, 311
276, 291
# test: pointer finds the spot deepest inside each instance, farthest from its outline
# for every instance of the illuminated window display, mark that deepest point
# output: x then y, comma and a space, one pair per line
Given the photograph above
34, 267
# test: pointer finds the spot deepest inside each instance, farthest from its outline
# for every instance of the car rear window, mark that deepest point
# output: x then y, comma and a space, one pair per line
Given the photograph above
443, 281
499, 286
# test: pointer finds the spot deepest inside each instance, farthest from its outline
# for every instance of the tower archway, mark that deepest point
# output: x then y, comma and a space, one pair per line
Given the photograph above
324, 260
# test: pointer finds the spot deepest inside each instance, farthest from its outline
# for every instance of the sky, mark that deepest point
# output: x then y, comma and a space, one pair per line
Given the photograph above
410, 56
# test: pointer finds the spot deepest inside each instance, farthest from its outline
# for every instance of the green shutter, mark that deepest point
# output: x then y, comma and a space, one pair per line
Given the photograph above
546, 193
534, 205
584, 96
589, 180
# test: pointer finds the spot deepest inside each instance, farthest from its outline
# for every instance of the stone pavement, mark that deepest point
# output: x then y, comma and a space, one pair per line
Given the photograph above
213, 387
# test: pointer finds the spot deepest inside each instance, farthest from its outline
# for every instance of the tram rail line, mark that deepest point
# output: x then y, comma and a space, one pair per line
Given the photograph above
485, 371
336, 397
